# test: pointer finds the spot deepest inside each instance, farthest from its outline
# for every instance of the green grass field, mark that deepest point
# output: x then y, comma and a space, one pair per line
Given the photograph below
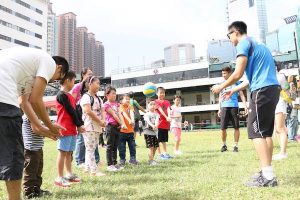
202, 172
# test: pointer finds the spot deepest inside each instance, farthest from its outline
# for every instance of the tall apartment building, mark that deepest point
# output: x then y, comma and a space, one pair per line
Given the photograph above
253, 13
67, 38
82, 48
23, 22
179, 54
100, 62
92, 51
52, 30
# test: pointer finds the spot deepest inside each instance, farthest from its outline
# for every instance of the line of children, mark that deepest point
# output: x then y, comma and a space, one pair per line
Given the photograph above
68, 118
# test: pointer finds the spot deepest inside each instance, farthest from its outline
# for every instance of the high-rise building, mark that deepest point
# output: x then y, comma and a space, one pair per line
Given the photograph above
179, 54
82, 48
220, 51
253, 13
92, 51
52, 29
23, 22
100, 60
67, 38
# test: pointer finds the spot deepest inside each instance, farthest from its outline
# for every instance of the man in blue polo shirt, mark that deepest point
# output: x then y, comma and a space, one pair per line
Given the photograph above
229, 111
256, 60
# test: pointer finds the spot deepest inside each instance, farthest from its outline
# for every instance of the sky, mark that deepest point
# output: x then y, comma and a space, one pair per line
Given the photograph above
135, 32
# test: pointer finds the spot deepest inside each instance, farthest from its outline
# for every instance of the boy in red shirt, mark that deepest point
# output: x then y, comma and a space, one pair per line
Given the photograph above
163, 109
68, 118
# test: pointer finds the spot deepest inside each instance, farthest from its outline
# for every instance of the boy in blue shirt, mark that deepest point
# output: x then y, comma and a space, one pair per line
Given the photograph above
229, 111
256, 60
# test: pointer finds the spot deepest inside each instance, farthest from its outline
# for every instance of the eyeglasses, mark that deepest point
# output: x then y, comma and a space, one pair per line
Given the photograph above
228, 35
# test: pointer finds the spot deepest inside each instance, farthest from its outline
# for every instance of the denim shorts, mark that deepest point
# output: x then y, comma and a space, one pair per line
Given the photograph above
67, 143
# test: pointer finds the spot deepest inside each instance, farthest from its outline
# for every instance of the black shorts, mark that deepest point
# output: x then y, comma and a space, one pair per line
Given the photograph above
262, 112
163, 135
151, 141
11, 148
230, 114
136, 126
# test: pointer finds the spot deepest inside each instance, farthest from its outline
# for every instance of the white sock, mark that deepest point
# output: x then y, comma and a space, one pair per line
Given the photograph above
224, 143
268, 172
235, 144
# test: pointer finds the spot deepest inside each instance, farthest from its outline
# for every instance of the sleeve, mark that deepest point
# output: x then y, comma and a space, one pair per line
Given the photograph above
64, 101
242, 48
106, 106
85, 100
76, 88
135, 103
46, 67
121, 108
168, 105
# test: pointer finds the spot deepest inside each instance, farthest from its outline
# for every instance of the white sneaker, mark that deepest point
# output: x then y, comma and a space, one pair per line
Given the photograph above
153, 163
112, 168
280, 156
178, 152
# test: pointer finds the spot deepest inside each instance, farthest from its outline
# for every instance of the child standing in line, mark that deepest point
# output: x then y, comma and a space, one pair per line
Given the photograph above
33, 166
127, 135
68, 118
163, 109
176, 119
151, 120
93, 117
113, 124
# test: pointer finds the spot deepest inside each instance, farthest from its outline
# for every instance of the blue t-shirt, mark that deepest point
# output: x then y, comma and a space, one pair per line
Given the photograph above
233, 100
260, 70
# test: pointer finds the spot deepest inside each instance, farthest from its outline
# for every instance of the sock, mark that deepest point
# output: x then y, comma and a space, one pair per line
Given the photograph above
235, 144
268, 172
224, 143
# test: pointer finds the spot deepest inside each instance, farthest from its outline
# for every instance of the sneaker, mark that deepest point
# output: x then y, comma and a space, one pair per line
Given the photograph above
280, 156
32, 195
98, 174
235, 149
119, 167
153, 163
168, 156
112, 168
261, 181
43, 193
62, 182
178, 152
133, 162
256, 175
224, 148
122, 163
162, 157
73, 178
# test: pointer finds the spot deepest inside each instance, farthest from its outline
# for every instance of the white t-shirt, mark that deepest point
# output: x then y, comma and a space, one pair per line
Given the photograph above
89, 124
175, 122
18, 68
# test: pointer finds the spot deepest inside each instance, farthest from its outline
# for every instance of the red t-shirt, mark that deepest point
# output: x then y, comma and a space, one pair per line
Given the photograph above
65, 119
164, 104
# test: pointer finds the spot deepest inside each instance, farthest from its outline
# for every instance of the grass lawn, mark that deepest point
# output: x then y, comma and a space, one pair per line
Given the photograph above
202, 172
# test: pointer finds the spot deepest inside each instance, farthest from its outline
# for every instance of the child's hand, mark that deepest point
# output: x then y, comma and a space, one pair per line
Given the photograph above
81, 129
44, 132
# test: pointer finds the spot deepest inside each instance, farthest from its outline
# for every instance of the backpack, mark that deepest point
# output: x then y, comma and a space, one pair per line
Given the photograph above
79, 108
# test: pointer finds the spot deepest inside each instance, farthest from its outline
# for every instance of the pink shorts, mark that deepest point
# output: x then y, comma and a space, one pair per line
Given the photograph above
177, 133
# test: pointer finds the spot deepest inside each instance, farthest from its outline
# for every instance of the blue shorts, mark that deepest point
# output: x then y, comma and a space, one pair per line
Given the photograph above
67, 143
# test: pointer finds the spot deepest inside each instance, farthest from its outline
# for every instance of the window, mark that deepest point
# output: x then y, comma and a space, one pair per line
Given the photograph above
22, 43
251, 3
199, 99
3, 37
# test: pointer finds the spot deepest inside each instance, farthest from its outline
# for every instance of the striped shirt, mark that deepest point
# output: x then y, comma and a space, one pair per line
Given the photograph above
32, 141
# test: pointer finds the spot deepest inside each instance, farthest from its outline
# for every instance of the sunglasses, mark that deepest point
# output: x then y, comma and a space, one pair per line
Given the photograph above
228, 34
